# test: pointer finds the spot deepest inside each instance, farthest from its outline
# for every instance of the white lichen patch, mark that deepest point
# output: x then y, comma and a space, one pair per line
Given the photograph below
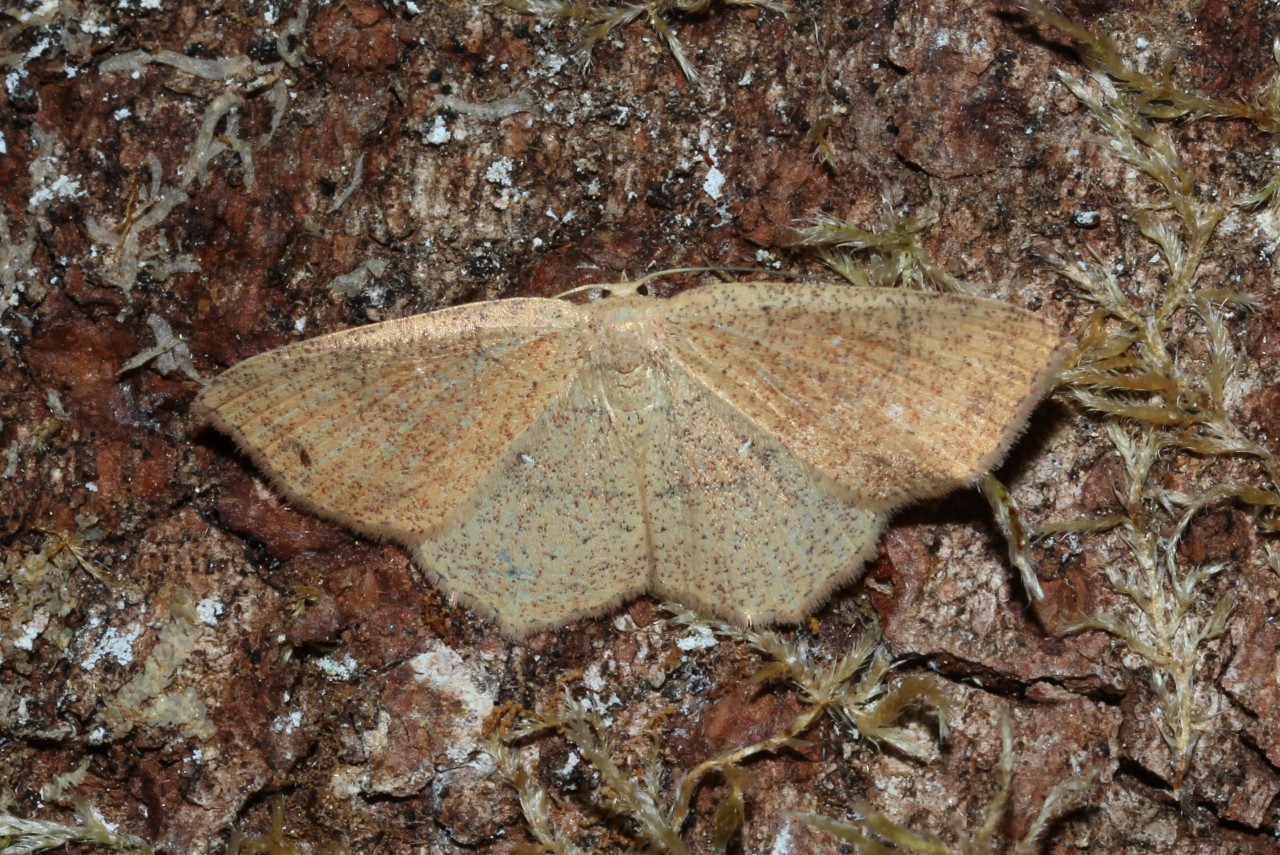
143, 699
713, 182
341, 670
49, 182
448, 673
499, 172
783, 843
116, 644
288, 722
28, 634
35, 596
699, 637
438, 133
59, 187
209, 611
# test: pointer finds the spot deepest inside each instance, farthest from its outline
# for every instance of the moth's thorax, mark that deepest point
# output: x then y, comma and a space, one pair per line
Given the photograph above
625, 351
625, 331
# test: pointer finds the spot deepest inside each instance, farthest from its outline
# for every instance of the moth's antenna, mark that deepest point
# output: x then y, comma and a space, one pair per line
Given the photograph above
627, 287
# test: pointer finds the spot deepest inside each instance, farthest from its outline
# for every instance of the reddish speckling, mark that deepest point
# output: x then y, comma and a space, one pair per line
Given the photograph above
737, 448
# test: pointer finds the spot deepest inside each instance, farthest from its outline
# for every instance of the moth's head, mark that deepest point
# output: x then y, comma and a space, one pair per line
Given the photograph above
627, 288
612, 290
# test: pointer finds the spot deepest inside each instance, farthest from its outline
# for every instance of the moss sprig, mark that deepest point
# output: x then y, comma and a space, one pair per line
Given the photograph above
886, 257
600, 20
1154, 362
1158, 96
852, 688
20, 836
874, 833
1170, 624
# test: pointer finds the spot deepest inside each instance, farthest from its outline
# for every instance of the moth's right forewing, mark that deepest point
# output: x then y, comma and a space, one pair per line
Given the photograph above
892, 394
389, 428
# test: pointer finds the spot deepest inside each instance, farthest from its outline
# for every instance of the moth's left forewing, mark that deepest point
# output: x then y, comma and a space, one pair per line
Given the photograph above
391, 428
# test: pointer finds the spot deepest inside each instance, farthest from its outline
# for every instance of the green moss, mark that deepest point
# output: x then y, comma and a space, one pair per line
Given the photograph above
886, 257
37, 598
854, 689
27, 836
1157, 407
875, 834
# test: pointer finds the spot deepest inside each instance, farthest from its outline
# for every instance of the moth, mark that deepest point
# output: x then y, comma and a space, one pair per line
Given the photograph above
737, 448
